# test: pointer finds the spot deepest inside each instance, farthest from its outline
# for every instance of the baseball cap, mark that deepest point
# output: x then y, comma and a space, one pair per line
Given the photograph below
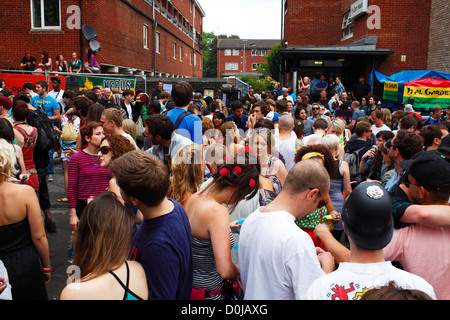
430, 169
55, 79
5, 102
445, 144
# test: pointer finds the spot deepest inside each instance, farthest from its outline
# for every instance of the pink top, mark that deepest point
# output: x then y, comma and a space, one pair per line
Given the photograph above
424, 251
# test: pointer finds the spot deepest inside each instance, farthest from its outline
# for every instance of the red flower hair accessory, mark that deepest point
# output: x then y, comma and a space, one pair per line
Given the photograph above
223, 172
252, 183
238, 170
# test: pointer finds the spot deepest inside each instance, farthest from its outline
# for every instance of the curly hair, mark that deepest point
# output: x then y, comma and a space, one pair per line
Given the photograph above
328, 161
118, 145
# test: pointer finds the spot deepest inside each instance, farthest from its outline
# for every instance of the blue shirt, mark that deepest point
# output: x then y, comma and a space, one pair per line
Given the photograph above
163, 245
190, 127
48, 104
241, 124
358, 113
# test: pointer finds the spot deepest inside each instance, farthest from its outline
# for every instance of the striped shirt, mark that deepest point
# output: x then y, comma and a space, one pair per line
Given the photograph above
86, 178
205, 271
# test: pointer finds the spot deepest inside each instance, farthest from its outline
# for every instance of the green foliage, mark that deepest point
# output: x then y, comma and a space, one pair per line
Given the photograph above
210, 52
272, 68
260, 85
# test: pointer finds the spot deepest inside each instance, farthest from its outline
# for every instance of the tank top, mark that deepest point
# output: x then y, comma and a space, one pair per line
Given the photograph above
28, 147
128, 294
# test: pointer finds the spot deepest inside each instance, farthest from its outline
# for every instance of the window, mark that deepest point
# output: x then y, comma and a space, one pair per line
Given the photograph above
181, 53
174, 50
231, 66
262, 53
46, 14
227, 52
255, 66
347, 25
236, 52
254, 53
145, 36
157, 42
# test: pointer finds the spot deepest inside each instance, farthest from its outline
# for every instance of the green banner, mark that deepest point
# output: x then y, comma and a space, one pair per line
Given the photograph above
390, 91
123, 83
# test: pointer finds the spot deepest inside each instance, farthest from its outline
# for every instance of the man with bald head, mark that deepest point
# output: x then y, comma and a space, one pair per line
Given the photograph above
278, 260
286, 142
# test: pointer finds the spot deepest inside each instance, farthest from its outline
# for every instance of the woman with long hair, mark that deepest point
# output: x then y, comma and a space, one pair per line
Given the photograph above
45, 63
188, 171
26, 137
263, 143
101, 246
23, 245
86, 178
91, 65
212, 238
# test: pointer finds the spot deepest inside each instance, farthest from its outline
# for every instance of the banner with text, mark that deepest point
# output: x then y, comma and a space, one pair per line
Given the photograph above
390, 91
15, 81
123, 83
428, 92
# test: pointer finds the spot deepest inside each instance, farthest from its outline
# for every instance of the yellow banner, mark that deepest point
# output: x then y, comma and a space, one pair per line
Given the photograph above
391, 86
429, 93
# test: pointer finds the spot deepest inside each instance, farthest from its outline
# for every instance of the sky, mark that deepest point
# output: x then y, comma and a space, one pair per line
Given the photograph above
249, 19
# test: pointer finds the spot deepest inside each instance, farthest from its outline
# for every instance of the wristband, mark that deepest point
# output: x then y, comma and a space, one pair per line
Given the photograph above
47, 270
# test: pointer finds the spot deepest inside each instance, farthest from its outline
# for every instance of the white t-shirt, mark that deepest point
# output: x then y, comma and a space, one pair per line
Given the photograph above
129, 110
375, 129
277, 259
56, 94
287, 150
351, 280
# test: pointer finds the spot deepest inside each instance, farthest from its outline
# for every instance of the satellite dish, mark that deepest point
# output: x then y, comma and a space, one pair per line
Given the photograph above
91, 34
94, 45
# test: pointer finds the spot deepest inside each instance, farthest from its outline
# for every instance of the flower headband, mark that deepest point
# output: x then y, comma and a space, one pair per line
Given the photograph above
309, 155
224, 171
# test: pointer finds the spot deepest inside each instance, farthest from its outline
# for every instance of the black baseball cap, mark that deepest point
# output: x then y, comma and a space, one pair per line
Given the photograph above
445, 144
55, 79
431, 170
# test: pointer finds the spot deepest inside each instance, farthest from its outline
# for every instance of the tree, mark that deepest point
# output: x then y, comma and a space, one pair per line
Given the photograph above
271, 68
210, 53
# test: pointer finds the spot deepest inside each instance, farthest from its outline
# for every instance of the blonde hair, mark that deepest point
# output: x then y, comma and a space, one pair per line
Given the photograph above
129, 127
7, 160
386, 116
103, 239
339, 125
331, 141
187, 175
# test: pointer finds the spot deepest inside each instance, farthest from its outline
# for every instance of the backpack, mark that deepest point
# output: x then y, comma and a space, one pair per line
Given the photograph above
68, 132
179, 119
352, 158
46, 137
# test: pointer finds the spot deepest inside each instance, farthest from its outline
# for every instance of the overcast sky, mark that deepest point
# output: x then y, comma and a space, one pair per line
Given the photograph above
249, 19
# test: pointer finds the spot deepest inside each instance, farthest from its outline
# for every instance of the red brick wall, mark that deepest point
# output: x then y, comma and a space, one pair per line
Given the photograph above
249, 60
405, 29
120, 34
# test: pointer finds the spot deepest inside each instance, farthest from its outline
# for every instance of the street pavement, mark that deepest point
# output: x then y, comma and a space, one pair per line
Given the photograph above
58, 240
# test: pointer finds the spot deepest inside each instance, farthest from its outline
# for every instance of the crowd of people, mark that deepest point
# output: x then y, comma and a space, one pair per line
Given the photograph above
323, 194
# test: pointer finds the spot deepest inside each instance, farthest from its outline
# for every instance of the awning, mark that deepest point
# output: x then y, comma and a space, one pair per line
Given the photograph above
363, 47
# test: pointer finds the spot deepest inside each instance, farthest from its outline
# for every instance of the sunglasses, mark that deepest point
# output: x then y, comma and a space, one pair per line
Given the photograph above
388, 145
322, 202
104, 150
407, 183
315, 108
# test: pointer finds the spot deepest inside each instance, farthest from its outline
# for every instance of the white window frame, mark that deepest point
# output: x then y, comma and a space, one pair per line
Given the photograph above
181, 53
262, 53
347, 25
232, 66
254, 53
43, 27
236, 52
174, 50
227, 52
157, 42
145, 36
255, 65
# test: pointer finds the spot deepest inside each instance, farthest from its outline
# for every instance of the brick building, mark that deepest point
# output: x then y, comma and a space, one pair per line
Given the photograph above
161, 38
349, 38
239, 57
